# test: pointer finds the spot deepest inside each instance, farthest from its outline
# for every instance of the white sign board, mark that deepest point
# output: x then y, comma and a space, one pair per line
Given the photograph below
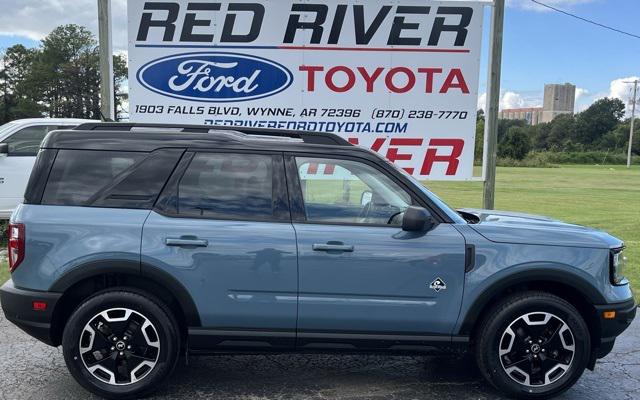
399, 77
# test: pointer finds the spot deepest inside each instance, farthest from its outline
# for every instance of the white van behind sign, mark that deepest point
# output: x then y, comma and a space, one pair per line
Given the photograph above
19, 144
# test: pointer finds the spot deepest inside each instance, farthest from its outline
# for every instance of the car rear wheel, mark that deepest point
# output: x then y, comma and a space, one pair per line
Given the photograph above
533, 345
120, 344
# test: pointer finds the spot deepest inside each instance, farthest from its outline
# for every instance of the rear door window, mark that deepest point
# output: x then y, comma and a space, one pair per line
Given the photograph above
230, 186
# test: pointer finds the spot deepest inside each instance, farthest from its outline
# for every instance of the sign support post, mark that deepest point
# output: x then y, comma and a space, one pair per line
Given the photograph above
107, 101
633, 120
493, 104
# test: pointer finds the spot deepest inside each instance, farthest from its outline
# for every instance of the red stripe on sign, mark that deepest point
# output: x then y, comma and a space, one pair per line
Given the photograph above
392, 49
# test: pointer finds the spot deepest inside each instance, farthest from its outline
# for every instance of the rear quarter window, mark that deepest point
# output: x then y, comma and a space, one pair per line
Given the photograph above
109, 178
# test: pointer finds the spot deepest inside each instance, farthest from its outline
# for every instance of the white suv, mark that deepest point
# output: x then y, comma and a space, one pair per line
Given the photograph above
19, 144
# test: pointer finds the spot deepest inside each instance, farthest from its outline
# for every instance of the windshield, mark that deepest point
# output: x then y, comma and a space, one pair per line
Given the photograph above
451, 213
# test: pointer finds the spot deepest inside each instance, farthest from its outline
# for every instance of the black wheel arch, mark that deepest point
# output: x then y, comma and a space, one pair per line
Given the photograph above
85, 280
571, 287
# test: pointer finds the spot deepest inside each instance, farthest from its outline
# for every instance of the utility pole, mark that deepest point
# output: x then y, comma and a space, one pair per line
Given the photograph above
633, 120
5, 96
107, 101
493, 104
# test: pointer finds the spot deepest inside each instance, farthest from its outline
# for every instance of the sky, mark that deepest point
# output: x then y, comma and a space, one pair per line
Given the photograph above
540, 46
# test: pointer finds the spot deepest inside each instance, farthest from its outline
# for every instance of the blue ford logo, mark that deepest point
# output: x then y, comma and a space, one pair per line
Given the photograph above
215, 77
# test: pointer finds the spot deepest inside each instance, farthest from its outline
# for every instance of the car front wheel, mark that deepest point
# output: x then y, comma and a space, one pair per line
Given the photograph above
120, 344
533, 345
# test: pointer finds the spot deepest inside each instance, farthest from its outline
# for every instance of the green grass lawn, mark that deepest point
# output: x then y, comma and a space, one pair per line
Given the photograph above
600, 196
4, 271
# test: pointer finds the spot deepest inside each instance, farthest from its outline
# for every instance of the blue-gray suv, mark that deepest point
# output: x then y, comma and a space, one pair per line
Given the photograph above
138, 244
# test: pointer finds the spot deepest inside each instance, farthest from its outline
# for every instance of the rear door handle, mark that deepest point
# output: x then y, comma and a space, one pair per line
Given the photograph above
183, 242
332, 247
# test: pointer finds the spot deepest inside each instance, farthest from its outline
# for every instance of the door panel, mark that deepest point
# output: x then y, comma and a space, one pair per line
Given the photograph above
222, 228
244, 277
360, 273
383, 284
14, 175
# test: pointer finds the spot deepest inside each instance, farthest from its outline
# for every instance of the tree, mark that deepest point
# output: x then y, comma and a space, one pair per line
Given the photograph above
599, 119
618, 139
68, 71
540, 136
505, 124
516, 143
561, 133
479, 140
61, 78
17, 101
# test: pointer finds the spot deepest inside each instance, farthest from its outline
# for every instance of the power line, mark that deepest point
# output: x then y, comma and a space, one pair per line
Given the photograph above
586, 20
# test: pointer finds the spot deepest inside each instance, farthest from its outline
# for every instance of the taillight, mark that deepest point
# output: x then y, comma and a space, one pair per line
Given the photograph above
16, 245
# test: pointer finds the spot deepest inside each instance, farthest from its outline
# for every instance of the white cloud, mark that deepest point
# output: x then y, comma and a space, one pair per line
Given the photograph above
529, 5
482, 101
510, 99
580, 93
623, 89
36, 18
527, 99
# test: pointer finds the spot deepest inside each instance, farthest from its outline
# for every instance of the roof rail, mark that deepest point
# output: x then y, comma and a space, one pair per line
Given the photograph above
307, 137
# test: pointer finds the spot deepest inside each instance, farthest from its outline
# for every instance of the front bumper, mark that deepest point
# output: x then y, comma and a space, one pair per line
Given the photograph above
610, 329
17, 305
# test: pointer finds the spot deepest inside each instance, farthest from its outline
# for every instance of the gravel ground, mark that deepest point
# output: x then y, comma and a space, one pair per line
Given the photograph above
32, 370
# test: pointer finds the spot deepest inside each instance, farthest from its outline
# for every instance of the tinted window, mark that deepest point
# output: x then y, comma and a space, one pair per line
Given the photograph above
344, 191
142, 185
77, 176
26, 142
228, 186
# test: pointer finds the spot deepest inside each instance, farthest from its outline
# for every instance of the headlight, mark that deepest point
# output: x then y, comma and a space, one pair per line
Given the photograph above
618, 262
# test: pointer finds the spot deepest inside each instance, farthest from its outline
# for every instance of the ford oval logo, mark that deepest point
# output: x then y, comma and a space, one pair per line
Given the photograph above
215, 77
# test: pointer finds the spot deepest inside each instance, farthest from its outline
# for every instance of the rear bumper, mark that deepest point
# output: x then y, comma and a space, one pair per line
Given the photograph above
17, 305
610, 329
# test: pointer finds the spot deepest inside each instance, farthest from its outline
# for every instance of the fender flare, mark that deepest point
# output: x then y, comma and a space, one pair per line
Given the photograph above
587, 290
134, 269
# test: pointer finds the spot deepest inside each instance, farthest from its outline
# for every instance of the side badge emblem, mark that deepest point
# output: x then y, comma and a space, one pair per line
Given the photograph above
438, 285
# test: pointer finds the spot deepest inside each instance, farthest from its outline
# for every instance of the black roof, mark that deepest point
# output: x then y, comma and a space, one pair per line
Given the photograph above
150, 137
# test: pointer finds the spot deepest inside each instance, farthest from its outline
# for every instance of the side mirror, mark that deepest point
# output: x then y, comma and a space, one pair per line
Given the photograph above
4, 149
417, 219
366, 197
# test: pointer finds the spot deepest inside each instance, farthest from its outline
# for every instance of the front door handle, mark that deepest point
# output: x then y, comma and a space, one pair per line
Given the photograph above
186, 242
332, 246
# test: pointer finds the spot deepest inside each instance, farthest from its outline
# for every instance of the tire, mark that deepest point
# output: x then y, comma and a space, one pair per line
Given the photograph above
119, 344
516, 339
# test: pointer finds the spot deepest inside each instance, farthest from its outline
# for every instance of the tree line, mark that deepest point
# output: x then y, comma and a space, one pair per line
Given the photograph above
59, 79
601, 128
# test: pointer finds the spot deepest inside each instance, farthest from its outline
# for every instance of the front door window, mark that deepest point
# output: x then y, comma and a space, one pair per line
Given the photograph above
349, 192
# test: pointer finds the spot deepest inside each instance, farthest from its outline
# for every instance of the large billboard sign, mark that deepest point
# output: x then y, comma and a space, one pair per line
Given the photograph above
399, 77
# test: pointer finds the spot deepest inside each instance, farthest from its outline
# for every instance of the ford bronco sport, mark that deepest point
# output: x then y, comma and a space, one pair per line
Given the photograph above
136, 244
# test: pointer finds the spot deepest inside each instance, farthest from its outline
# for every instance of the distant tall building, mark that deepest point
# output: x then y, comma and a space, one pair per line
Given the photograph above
558, 100
533, 116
